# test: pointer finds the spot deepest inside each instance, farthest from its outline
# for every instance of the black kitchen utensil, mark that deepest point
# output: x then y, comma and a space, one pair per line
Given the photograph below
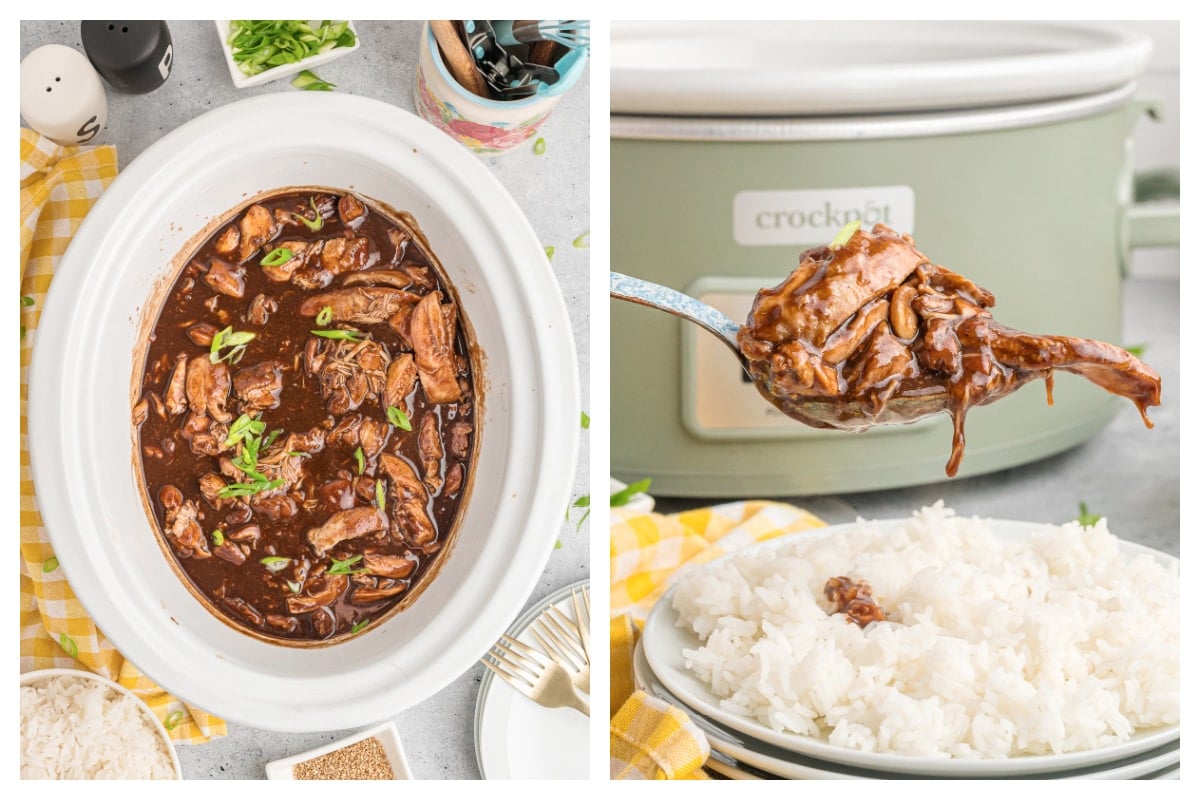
134, 57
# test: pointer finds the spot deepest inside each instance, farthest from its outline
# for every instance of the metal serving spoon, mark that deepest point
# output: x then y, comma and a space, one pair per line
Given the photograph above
645, 293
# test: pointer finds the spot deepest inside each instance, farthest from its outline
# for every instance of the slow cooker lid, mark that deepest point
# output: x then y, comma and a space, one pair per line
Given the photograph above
821, 68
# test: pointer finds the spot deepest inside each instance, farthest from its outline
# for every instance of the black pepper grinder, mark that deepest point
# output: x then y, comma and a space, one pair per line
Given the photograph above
134, 57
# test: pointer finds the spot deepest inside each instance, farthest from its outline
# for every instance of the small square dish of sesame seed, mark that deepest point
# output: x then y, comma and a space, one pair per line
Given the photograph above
371, 754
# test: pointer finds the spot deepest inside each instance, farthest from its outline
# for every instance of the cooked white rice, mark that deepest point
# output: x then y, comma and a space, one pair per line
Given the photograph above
80, 728
991, 647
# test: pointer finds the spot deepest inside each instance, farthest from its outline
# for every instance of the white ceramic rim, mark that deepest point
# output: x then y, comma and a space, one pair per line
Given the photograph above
533, 483
663, 644
243, 81
39, 675
482, 747
743, 68
859, 128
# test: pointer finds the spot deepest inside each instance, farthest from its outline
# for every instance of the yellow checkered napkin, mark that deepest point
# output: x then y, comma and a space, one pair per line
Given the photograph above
58, 187
648, 738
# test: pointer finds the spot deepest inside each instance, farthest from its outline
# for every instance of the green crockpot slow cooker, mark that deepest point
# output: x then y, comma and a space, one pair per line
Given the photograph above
1004, 148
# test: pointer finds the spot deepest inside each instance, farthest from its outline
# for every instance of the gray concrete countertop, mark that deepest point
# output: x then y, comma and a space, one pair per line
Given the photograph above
551, 188
1126, 473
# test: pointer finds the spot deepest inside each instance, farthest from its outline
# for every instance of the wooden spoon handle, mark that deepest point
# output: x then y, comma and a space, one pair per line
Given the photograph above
458, 58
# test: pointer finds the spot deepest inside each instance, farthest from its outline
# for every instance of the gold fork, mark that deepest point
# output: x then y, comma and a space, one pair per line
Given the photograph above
566, 640
534, 674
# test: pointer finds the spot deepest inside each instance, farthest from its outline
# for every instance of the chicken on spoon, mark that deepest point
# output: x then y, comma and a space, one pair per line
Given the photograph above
869, 331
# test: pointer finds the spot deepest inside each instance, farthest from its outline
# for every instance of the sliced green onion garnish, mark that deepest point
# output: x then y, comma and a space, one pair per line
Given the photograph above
275, 563
173, 719
585, 421
539, 146
237, 340
550, 252
583, 502
325, 316
845, 233
338, 333
294, 586
312, 224
379, 499
310, 82
361, 460
247, 489
218, 537
358, 626
50, 564
343, 567
243, 426
26, 301
580, 241
622, 497
68, 644
280, 255
398, 418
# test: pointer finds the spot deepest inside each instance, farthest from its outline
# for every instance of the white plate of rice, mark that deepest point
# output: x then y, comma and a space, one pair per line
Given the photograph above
1009, 647
77, 725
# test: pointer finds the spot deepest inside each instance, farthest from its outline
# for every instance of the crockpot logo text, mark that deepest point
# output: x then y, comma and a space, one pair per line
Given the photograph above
824, 217
814, 216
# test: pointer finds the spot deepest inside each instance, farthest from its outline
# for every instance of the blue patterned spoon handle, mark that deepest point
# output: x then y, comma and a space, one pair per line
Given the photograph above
645, 293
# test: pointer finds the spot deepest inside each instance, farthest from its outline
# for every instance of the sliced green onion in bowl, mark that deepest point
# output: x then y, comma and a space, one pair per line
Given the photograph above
258, 45
325, 316
275, 563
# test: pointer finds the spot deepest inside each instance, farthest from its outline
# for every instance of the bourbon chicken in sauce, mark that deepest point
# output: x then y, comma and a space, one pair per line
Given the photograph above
872, 332
854, 599
307, 415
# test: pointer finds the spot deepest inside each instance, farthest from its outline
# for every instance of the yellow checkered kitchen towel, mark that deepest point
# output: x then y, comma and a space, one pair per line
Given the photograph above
58, 187
648, 738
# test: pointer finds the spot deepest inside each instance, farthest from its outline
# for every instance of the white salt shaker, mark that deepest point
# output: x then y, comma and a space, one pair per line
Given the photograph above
61, 95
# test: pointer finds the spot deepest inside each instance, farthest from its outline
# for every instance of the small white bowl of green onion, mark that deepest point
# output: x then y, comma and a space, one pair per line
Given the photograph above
260, 51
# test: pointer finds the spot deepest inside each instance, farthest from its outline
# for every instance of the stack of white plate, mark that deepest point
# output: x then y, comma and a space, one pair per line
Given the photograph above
745, 748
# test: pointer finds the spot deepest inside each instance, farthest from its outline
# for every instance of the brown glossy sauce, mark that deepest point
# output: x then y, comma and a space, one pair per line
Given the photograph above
874, 333
312, 503
854, 599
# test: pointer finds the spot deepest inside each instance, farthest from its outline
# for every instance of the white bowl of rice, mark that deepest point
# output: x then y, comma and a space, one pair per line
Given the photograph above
76, 725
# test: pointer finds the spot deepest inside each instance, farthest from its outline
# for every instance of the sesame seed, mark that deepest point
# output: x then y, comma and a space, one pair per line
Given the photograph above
361, 761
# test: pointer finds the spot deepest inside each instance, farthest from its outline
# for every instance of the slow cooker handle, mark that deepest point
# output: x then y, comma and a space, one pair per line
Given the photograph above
1154, 216
1152, 219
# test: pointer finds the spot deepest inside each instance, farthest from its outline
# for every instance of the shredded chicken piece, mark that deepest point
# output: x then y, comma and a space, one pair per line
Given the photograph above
410, 519
343, 525
853, 598
432, 332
